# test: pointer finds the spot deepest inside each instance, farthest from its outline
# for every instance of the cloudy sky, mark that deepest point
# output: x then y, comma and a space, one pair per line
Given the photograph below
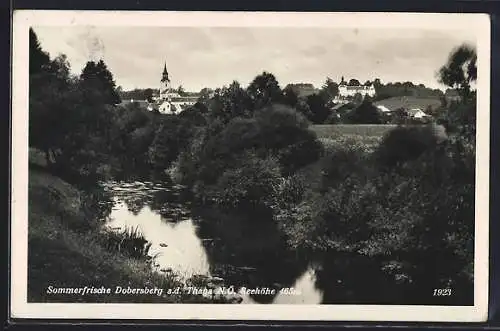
212, 57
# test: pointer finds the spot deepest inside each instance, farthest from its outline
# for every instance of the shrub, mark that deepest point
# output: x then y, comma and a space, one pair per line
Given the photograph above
276, 131
130, 242
403, 143
343, 161
365, 113
252, 185
285, 133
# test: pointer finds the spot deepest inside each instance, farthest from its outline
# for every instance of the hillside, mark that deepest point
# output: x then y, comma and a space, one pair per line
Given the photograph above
409, 102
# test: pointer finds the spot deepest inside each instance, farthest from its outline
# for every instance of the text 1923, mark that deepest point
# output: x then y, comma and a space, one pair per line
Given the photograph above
442, 292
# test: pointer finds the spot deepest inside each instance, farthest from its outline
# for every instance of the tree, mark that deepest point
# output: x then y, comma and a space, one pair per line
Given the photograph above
164, 148
148, 94
98, 79
290, 97
37, 57
400, 116
459, 73
318, 109
264, 90
303, 108
205, 95
234, 101
358, 98
460, 70
181, 90
50, 94
329, 90
366, 113
354, 82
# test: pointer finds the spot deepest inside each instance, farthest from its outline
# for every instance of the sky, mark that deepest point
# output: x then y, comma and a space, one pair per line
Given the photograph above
212, 57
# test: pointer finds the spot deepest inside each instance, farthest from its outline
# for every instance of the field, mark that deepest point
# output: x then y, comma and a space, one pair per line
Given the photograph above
409, 102
368, 135
335, 130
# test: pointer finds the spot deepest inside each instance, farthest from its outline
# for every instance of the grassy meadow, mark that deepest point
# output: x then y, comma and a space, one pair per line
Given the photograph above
409, 102
366, 130
335, 135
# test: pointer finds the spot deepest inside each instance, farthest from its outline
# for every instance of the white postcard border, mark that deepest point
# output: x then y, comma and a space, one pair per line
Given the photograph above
23, 19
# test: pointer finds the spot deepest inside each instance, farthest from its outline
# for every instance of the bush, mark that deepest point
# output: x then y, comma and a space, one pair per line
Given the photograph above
403, 143
130, 242
251, 186
365, 113
284, 132
276, 131
419, 217
343, 161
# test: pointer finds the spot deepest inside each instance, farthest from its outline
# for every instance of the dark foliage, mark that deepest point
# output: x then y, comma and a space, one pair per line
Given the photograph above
406, 143
365, 113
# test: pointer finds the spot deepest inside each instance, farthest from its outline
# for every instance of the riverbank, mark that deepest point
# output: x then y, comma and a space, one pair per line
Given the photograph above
66, 250
403, 215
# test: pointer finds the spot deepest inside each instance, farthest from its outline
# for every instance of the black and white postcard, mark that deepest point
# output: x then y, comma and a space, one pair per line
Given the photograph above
250, 166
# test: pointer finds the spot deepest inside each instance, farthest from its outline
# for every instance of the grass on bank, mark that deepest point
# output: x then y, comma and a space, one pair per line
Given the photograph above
64, 252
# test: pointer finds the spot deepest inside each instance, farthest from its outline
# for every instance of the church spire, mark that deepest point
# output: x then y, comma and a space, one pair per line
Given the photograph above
164, 76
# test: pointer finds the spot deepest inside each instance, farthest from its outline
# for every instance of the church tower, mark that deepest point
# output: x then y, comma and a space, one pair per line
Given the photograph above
165, 92
165, 85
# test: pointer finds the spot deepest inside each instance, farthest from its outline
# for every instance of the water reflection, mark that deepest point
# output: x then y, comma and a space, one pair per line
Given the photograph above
249, 251
244, 252
175, 245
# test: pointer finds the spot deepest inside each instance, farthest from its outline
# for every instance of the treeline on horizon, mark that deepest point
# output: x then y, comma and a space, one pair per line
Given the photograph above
384, 91
406, 208
316, 104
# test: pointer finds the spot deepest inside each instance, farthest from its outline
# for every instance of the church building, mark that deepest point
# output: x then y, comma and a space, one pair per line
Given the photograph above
169, 101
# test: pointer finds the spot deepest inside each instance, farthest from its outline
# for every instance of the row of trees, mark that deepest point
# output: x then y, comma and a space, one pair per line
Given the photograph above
147, 93
77, 122
70, 117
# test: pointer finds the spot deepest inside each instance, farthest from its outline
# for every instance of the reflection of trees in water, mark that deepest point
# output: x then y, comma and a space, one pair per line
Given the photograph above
135, 202
354, 279
348, 278
249, 252
171, 204
97, 204
168, 201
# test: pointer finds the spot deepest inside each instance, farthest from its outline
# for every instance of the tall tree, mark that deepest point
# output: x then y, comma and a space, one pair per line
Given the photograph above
290, 97
148, 94
459, 73
318, 108
329, 90
234, 101
38, 58
96, 77
264, 90
460, 70
181, 90
205, 95
50, 91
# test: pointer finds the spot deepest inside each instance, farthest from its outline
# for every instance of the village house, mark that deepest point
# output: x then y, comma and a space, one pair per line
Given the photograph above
417, 113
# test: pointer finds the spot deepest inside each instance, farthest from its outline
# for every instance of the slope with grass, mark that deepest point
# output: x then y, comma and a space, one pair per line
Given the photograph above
409, 102
67, 249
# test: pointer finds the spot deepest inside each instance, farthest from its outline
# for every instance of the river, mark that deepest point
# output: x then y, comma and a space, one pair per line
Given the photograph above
185, 244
